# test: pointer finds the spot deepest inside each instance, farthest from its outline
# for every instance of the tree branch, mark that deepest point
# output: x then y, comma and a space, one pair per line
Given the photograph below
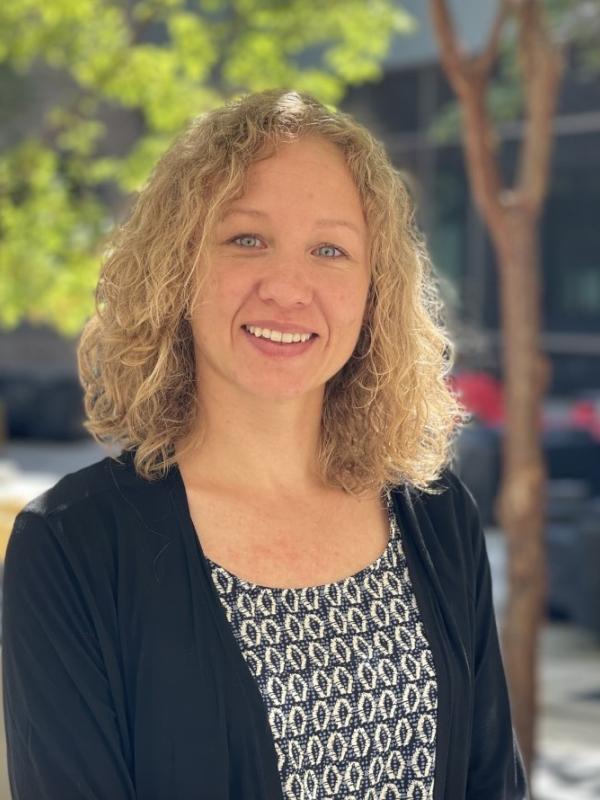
470, 86
484, 62
450, 52
542, 65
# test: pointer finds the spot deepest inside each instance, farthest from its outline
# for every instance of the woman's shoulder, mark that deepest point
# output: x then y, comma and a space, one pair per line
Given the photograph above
445, 522
73, 490
87, 509
90, 526
39, 552
448, 493
108, 481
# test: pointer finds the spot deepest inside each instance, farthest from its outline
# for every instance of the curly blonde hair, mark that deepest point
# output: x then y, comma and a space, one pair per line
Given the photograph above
389, 415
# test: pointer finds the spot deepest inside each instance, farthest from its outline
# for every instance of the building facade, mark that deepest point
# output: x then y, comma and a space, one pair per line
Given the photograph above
402, 109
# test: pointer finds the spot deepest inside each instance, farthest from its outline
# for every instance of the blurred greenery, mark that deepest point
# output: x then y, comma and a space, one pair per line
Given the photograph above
574, 24
118, 80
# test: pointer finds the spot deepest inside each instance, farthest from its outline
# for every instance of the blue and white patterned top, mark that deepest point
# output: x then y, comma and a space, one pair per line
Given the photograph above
347, 676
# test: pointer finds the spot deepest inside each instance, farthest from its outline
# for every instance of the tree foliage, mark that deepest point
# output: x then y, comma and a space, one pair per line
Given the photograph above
154, 64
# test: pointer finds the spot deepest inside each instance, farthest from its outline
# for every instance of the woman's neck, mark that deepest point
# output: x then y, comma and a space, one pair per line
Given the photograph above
264, 447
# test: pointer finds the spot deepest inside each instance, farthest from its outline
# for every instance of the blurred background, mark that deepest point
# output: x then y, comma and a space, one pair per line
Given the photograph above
93, 91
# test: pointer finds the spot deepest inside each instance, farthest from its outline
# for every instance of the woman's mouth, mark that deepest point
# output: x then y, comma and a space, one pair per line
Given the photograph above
279, 343
278, 336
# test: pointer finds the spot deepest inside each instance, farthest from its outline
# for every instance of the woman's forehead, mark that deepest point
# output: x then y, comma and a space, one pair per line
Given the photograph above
313, 172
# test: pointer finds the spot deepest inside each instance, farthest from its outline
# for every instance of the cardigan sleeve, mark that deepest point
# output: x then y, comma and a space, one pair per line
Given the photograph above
495, 765
61, 732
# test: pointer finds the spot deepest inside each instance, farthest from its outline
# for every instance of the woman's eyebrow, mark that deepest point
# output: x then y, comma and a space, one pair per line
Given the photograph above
322, 223
250, 212
342, 223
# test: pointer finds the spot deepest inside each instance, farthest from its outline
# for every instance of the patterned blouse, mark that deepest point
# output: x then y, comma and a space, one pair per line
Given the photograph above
347, 677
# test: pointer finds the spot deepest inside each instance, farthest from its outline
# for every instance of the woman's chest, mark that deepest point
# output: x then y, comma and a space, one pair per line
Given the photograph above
291, 545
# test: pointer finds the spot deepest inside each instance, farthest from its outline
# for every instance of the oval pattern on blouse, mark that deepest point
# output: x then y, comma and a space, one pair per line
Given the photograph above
347, 676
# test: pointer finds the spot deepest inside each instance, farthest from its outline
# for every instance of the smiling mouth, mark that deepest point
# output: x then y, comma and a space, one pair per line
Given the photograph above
278, 337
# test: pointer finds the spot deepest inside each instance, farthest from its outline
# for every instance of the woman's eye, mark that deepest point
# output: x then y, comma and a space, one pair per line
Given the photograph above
330, 251
246, 240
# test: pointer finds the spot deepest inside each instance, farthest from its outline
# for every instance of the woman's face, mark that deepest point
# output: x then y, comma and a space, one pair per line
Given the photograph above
288, 257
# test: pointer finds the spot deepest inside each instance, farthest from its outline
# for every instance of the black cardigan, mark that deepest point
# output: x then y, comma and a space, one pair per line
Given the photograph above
122, 678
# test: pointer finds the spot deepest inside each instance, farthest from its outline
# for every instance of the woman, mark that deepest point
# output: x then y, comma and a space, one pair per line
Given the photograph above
279, 590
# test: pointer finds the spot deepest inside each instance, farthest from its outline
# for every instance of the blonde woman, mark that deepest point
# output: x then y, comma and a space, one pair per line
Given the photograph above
279, 589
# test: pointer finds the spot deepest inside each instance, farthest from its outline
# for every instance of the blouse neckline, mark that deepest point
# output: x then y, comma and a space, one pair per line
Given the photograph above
278, 590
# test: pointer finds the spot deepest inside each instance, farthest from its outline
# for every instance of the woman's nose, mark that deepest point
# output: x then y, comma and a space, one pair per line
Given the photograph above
286, 283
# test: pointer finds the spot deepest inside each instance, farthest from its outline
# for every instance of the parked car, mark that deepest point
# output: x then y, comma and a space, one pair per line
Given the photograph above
42, 407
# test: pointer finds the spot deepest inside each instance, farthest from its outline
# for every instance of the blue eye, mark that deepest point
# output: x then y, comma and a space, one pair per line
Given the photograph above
332, 250
246, 240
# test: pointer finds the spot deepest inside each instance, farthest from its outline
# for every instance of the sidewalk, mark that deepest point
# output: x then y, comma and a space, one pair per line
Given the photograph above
568, 766
568, 734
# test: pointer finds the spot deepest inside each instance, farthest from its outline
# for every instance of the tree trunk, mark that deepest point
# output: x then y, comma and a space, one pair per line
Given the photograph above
521, 502
512, 218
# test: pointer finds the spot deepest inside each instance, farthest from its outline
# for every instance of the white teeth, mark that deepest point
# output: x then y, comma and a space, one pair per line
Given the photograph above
277, 336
